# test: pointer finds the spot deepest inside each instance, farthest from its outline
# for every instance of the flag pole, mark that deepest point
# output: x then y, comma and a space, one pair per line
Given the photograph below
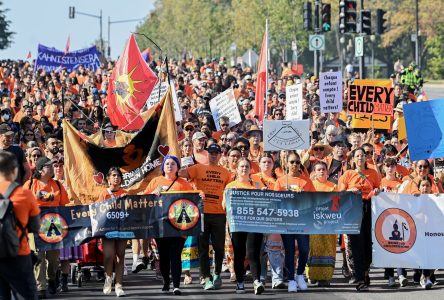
266, 67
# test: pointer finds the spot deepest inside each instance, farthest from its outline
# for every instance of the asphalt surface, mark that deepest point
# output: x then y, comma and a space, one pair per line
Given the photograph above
144, 285
434, 91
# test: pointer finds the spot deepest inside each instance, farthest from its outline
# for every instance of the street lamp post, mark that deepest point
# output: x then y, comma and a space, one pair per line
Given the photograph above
73, 12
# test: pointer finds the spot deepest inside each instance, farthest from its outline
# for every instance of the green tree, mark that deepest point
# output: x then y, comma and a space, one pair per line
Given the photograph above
5, 33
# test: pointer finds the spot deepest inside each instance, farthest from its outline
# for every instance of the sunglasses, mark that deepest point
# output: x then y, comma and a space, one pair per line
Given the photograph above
36, 155
318, 148
422, 166
243, 147
278, 114
316, 109
298, 162
189, 129
368, 152
29, 134
185, 107
223, 125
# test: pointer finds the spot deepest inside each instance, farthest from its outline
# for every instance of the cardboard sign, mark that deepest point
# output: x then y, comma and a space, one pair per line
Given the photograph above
286, 135
225, 104
402, 132
371, 96
294, 102
330, 87
370, 121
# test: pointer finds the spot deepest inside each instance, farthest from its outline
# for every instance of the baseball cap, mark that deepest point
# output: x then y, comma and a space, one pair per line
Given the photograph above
5, 129
188, 124
198, 135
214, 148
43, 161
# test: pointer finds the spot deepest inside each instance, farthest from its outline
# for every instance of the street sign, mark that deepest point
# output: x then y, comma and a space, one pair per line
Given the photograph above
359, 46
316, 42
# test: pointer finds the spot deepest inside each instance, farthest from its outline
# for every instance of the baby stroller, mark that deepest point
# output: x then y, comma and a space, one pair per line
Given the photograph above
91, 264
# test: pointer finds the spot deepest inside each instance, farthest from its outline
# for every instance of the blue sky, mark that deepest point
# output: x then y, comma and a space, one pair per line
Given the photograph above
47, 22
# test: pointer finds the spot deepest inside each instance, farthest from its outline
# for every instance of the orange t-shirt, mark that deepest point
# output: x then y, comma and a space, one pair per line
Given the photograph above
268, 181
201, 157
245, 185
366, 182
212, 181
411, 187
107, 194
390, 185
402, 170
160, 181
296, 184
25, 206
327, 186
47, 194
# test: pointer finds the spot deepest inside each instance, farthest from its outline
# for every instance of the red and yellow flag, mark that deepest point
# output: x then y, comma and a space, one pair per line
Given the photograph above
130, 85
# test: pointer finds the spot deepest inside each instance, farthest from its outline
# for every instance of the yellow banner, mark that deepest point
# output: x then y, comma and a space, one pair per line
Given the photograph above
371, 121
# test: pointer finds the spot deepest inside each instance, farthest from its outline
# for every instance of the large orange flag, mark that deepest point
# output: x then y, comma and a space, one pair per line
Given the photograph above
129, 87
261, 84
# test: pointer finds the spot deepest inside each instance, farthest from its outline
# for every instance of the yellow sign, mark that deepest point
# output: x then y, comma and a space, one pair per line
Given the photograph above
365, 121
402, 132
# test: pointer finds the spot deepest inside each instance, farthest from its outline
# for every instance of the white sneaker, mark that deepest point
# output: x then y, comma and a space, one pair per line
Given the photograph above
302, 285
108, 285
119, 291
391, 281
403, 281
258, 287
426, 283
137, 267
292, 286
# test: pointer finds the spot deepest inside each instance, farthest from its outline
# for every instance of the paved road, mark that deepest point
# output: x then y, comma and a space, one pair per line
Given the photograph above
145, 286
434, 91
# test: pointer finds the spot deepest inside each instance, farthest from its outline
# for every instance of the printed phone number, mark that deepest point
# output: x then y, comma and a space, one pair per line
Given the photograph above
258, 211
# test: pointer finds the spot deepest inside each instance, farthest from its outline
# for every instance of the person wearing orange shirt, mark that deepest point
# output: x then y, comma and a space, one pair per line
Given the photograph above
361, 179
224, 125
321, 260
170, 248
199, 152
211, 179
272, 245
113, 249
109, 135
16, 273
410, 184
390, 183
244, 146
295, 181
49, 192
246, 243
255, 137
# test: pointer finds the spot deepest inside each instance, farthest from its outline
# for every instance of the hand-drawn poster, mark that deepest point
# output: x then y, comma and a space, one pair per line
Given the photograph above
286, 135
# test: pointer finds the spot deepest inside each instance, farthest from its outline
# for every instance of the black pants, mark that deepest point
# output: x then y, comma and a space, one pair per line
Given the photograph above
214, 227
250, 244
170, 250
17, 276
361, 244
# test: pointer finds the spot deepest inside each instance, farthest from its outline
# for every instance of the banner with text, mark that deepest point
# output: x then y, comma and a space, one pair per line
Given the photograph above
225, 104
159, 92
408, 231
286, 135
291, 212
51, 59
127, 217
371, 121
371, 96
294, 102
330, 88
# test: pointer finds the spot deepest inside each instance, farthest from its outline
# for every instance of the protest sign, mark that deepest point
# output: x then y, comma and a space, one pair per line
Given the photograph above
371, 96
225, 104
286, 135
290, 212
371, 121
408, 231
402, 131
424, 122
139, 158
157, 94
294, 102
128, 217
51, 59
330, 88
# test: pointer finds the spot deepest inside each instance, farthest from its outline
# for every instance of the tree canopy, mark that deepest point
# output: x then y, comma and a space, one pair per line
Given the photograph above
5, 33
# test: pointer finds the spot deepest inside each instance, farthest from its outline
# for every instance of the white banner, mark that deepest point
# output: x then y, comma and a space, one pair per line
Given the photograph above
286, 135
225, 104
294, 102
408, 231
330, 88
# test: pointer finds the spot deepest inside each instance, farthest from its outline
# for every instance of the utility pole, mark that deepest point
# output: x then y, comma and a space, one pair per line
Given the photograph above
73, 12
417, 57
316, 30
362, 58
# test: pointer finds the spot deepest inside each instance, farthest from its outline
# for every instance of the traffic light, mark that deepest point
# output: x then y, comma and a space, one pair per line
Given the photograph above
380, 26
366, 22
307, 16
72, 12
347, 16
326, 17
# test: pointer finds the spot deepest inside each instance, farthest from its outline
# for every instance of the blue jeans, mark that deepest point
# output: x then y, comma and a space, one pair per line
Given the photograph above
303, 245
276, 257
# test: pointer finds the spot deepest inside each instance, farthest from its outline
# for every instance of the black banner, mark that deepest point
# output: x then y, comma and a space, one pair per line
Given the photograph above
128, 217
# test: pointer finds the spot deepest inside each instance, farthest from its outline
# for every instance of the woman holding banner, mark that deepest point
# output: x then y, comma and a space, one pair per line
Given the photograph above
295, 180
246, 242
361, 179
170, 248
113, 249
321, 261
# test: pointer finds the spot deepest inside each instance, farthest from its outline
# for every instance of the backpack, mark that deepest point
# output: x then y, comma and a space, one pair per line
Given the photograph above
9, 240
